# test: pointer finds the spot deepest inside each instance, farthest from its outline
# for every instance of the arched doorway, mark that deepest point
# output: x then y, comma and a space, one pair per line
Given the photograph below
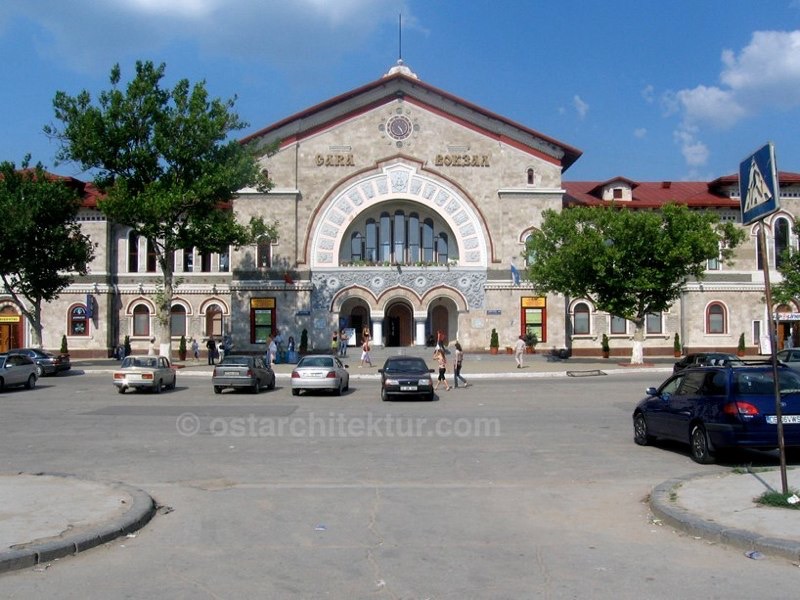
358, 320
440, 318
398, 325
10, 328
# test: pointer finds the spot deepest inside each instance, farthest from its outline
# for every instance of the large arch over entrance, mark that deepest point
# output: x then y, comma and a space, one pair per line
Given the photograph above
398, 324
398, 181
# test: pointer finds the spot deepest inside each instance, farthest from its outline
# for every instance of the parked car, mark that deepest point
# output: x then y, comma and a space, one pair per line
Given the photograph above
47, 363
17, 369
714, 409
153, 373
406, 376
790, 356
242, 371
705, 359
320, 372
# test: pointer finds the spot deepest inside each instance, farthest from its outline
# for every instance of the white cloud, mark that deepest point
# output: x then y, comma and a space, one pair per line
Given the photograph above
710, 105
694, 151
648, 93
580, 106
763, 76
640, 133
298, 36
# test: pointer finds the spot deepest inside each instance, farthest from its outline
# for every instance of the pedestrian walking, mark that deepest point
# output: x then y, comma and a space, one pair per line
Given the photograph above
343, 338
211, 347
272, 350
195, 349
441, 359
335, 344
151, 351
519, 350
458, 359
365, 358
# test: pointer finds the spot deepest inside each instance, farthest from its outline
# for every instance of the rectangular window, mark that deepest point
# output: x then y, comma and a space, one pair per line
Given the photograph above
653, 323
757, 333
713, 264
224, 261
205, 262
141, 323
534, 317
262, 319
188, 260
619, 325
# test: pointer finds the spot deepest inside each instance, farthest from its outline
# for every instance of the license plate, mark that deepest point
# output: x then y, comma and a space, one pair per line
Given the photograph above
408, 388
234, 373
787, 419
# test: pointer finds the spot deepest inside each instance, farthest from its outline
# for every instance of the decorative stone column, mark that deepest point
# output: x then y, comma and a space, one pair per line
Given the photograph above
377, 328
420, 318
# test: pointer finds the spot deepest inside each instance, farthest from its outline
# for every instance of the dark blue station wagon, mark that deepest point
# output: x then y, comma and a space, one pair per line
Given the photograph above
714, 409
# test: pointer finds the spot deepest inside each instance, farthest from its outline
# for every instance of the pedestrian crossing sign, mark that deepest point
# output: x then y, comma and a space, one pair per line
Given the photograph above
758, 185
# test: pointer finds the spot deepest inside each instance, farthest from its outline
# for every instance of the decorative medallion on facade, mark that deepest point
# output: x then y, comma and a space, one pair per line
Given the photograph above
398, 182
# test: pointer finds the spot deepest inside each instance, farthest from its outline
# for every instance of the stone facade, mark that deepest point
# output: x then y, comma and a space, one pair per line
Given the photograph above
401, 211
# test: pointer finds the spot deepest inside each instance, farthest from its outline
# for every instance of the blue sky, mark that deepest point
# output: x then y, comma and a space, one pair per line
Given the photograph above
670, 90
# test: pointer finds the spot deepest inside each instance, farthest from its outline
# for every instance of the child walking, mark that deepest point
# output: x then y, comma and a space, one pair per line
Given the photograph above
440, 358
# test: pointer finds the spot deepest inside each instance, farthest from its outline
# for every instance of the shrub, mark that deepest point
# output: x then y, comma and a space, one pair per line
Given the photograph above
64, 348
676, 343
304, 341
604, 344
494, 341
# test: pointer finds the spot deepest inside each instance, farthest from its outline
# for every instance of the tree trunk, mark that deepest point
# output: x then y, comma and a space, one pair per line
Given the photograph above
163, 301
36, 324
637, 351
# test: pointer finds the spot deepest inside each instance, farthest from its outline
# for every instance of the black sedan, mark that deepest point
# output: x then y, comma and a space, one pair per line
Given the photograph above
713, 409
243, 371
404, 376
47, 363
706, 359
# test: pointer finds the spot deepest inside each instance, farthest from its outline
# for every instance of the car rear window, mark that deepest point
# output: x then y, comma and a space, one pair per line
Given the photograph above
316, 362
405, 365
235, 360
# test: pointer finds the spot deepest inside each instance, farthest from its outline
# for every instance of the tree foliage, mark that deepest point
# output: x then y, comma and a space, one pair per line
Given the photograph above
40, 241
788, 290
628, 263
164, 160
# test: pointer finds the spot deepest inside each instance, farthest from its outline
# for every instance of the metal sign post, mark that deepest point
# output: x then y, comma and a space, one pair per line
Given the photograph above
760, 197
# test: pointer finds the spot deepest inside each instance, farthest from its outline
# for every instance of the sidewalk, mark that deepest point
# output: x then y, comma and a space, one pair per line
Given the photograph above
47, 516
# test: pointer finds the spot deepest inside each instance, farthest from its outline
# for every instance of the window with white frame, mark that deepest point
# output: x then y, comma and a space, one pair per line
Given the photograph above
618, 325
141, 321
580, 319
653, 323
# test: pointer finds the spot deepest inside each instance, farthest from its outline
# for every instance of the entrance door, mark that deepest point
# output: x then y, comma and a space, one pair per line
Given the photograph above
439, 322
397, 325
10, 329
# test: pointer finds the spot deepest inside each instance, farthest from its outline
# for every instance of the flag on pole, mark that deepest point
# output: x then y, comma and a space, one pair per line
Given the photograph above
515, 274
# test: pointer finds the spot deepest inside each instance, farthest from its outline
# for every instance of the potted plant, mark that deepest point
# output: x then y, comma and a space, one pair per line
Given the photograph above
182, 348
741, 347
303, 342
604, 346
64, 349
676, 345
494, 342
530, 342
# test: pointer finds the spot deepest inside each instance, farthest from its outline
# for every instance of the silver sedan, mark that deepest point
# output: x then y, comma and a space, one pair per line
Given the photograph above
320, 372
17, 369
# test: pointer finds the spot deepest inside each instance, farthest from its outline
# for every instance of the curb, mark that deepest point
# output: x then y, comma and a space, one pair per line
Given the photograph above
142, 509
664, 505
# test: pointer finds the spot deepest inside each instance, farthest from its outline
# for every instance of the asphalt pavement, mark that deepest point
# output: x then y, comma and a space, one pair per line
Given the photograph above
47, 516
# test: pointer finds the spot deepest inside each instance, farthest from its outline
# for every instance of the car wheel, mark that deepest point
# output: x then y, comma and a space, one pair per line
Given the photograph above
384, 395
121, 389
256, 387
39, 370
640, 432
431, 397
338, 390
271, 385
31, 383
698, 445
295, 392
158, 387
217, 389
2, 384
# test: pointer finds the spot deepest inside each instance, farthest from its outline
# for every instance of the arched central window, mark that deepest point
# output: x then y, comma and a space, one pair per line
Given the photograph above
399, 238
781, 240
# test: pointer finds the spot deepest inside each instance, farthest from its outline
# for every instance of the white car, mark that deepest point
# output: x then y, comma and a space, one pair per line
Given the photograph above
17, 369
320, 372
145, 373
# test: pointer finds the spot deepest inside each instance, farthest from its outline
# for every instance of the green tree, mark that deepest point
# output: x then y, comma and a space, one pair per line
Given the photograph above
40, 241
788, 290
165, 162
629, 263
